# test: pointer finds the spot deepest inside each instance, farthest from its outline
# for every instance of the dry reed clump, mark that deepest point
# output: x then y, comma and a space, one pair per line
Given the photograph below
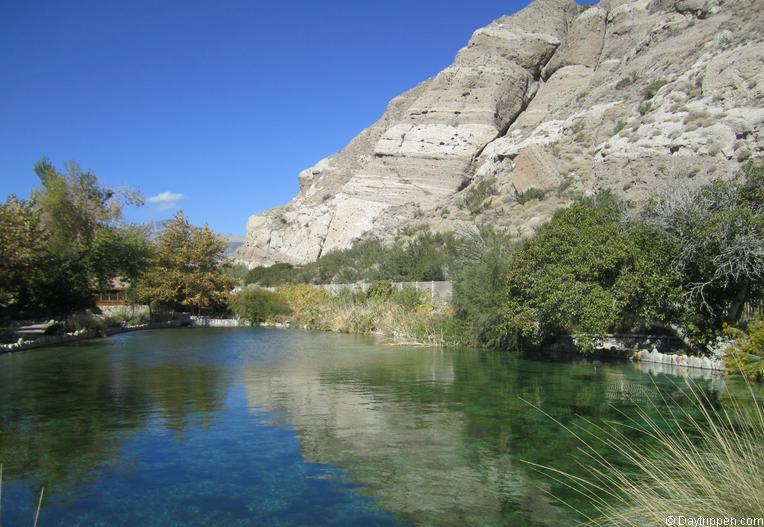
706, 461
400, 315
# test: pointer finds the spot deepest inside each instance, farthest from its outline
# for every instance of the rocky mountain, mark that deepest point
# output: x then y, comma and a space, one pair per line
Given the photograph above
556, 100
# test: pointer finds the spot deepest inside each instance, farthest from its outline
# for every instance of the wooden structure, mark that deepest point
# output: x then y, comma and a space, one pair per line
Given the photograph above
114, 295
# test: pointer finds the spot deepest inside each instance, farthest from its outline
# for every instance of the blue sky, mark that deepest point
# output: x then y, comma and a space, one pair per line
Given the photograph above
210, 106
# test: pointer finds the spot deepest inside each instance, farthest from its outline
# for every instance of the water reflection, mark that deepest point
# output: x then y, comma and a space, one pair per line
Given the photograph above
64, 414
441, 438
272, 427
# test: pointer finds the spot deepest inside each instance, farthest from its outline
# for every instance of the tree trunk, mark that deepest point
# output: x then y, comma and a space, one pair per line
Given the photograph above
736, 307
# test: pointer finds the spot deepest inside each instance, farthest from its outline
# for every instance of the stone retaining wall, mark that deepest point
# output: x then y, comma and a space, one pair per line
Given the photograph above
647, 348
69, 338
680, 361
206, 322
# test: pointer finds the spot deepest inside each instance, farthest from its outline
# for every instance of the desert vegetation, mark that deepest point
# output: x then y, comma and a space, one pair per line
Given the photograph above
684, 265
405, 314
687, 264
409, 257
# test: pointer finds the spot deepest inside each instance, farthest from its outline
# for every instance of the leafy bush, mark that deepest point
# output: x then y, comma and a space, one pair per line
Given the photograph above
626, 81
257, 305
237, 273
270, 276
126, 316
565, 184
476, 195
652, 89
381, 289
305, 302
587, 273
408, 297
422, 257
84, 320
718, 230
746, 354
480, 288
530, 194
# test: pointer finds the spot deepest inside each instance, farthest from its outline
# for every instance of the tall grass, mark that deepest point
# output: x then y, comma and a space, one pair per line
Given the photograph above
407, 316
705, 461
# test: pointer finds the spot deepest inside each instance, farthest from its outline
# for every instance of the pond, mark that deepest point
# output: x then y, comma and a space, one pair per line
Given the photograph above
269, 427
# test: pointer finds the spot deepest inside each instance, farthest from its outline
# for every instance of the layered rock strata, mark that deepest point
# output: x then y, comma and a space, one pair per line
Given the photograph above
629, 95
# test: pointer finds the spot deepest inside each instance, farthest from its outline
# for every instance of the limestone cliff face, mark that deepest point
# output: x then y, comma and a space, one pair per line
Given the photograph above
628, 94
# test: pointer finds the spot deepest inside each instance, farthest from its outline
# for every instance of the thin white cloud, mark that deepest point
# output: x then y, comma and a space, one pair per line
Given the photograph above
165, 200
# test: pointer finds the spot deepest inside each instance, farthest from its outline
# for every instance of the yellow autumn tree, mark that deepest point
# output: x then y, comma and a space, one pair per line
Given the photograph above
187, 268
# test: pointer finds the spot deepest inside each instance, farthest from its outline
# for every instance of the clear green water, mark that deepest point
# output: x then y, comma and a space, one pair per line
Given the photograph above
255, 427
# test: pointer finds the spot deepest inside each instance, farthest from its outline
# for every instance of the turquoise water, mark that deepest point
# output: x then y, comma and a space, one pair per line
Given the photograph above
259, 427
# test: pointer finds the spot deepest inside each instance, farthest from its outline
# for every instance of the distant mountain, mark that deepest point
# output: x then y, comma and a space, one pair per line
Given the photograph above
234, 243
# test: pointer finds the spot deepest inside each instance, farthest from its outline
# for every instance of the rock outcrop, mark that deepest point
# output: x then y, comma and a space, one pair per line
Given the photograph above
630, 95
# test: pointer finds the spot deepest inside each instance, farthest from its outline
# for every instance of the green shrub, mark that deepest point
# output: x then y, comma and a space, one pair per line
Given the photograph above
645, 107
585, 274
476, 195
479, 286
746, 355
626, 81
381, 289
530, 194
257, 305
84, 320
567, 182
718, 229
415, 255
270, 276
126, 316
408, 297
237, 272
652, 89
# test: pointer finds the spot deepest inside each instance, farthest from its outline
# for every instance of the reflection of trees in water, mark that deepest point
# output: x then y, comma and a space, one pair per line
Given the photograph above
440, 437
65, 414
181, 393
435, 436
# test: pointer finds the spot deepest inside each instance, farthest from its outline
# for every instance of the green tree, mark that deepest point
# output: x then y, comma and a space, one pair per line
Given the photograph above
257, 305
22, 243
587, 273
87, 241
482, 265
719, 229
34, 279
746, 353
187, 268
